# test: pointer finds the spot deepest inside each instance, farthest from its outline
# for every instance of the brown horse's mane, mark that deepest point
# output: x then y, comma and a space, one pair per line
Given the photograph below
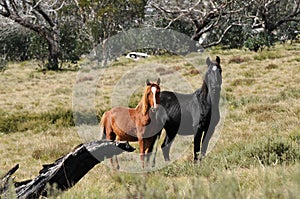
144, 104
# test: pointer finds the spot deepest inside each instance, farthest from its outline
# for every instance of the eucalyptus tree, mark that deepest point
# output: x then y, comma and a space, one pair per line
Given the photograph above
40, 17
213, 22
108, 17
202, 18
268, 21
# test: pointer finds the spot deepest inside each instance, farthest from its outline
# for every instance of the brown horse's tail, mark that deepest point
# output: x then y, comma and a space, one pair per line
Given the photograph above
102, 127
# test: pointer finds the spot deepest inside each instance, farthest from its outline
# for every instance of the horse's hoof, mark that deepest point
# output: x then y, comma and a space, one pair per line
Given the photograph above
196, 160
201, 157
167, 159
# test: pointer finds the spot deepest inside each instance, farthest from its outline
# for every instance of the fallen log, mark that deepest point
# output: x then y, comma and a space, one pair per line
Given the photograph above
66, 171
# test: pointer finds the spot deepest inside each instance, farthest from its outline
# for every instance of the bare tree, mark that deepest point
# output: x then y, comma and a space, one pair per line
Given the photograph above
218, 17
39, 16
205, 16
270, 14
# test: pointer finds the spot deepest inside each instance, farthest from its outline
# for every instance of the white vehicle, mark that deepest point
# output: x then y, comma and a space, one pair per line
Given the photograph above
137, 55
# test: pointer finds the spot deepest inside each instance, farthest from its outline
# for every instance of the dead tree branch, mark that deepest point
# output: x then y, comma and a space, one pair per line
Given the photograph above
66, 171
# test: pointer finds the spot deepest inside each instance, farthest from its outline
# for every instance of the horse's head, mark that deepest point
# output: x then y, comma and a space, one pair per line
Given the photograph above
213, 79
152, 92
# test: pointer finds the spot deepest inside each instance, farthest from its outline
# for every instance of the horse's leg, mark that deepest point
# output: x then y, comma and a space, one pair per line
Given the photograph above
117, 166
110, 135
166, 145
117, 162
206, 138
209, 132
150, 137
154, 140
142, 150
149, 144
197, 139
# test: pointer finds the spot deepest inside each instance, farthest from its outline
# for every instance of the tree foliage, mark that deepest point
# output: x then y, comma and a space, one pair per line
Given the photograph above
106, 18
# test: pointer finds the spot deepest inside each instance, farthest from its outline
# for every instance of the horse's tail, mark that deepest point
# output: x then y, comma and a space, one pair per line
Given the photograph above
102, 127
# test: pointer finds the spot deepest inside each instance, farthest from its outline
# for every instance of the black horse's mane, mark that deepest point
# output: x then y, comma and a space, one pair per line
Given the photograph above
202, 90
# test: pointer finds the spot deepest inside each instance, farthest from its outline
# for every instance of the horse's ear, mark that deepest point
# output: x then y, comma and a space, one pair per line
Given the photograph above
208, 61
158, 81
148, 82
218, 60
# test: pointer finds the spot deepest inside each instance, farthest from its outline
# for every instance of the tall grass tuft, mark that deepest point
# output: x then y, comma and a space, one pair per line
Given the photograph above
23, 121
269, 151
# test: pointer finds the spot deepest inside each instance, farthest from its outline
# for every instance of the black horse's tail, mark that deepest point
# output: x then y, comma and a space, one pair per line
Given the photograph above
102, 128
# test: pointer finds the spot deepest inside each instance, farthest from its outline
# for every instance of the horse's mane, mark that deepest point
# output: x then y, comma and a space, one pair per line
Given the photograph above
203, 90
144, 104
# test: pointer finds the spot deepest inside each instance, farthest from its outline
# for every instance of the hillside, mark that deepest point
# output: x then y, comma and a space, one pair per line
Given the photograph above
257, 153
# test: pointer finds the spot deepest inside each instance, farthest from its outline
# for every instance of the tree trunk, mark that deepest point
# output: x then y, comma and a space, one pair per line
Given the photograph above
65, 172
22, 12
53, 40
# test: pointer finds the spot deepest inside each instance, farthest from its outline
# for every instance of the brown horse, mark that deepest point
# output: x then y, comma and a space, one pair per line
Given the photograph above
134, 124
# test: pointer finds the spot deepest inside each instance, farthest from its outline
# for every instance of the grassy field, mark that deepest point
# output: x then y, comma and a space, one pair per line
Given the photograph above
256, 156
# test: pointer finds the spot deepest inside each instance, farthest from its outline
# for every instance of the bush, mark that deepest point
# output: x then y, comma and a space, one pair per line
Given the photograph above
74, 42
275, 151
21, 44
234, 38
3, 64
267, 152
259, 42
15, 43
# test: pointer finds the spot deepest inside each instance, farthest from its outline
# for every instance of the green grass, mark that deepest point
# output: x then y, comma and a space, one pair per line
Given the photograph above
256, 156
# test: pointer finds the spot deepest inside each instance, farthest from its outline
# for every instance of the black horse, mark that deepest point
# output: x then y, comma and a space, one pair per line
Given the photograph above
193, 114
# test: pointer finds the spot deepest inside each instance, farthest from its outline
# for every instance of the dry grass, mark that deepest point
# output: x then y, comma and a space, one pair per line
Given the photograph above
262, 103
25, 89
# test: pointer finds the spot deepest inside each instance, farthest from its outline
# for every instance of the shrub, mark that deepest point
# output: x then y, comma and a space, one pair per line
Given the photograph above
267, 152
259, 42
275, 151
